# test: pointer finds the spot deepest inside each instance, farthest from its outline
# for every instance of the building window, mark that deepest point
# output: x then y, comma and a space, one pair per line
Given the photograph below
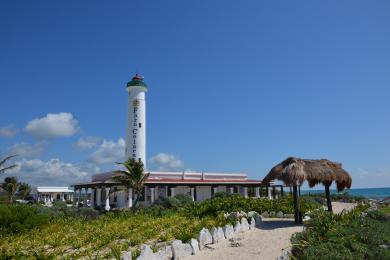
139, 125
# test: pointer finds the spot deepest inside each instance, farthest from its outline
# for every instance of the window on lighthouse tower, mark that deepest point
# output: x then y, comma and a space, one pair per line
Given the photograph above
139, 125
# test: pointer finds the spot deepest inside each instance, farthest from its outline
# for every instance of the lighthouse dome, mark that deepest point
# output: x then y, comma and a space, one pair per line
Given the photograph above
137, 81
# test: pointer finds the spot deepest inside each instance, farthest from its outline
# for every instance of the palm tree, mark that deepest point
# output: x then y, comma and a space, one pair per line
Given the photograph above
24, 190
11, 186
133, 178
5, 168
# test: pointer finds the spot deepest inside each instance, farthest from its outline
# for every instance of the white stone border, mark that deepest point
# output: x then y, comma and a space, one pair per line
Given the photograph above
178, 249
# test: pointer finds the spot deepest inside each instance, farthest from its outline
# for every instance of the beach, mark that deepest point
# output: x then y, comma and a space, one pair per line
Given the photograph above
265, 243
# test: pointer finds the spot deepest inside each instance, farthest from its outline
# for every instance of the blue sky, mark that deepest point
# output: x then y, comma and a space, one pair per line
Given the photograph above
233, 86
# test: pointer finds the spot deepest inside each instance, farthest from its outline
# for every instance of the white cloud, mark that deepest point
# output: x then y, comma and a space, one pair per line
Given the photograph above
166, 162
27, 150
52, 172
52, 125
87, 142
8, 130
109, 152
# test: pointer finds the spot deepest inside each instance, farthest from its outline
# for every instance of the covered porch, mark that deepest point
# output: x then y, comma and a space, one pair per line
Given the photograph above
109, 194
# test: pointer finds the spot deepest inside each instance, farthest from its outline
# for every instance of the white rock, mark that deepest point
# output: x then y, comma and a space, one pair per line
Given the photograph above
233, 215
180, 250
259, 221
252, 214
244, 224
252, 224
195, 246
217, 234
204, 238
125, 255
279, 214
237, 227
272, 214
265, 214
221, 234
146, 253
242, 214
228, 231
165, 253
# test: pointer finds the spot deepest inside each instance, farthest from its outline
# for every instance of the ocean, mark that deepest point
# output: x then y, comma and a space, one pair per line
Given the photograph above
370, 193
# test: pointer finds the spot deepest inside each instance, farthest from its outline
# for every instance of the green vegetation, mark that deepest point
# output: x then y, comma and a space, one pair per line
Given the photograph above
11, 186
344, 236
218, 205
39, 232
341, 197
133, 177
385, 210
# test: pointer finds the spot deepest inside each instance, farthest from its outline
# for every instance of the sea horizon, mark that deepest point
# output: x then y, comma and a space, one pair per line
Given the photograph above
371, 193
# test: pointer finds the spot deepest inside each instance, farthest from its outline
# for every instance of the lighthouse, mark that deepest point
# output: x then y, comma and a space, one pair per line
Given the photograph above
136, 120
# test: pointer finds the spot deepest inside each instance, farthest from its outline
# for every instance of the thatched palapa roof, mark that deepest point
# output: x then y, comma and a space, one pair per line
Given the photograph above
294, 171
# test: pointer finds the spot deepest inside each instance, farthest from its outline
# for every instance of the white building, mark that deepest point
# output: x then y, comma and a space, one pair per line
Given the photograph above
104, 192
50, 194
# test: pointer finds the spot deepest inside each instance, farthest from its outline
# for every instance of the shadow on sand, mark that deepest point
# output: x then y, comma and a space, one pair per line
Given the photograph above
277, 223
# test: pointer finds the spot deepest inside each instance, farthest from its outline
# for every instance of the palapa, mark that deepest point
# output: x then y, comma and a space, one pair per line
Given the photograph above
294, 171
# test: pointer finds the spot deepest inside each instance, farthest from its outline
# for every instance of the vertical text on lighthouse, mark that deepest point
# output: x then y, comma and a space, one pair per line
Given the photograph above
136, 123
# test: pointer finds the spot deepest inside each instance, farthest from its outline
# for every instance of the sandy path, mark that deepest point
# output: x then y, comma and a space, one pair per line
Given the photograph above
265, 243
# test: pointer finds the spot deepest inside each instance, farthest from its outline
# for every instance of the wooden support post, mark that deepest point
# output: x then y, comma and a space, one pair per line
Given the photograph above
328, 200
297, 214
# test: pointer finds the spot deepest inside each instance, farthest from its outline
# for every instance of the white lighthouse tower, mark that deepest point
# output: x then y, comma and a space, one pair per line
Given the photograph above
136, 120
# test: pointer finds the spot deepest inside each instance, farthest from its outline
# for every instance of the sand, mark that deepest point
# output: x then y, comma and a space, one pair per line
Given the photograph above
265, 243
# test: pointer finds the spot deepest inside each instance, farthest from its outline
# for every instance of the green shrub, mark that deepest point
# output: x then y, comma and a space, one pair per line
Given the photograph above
221, 194
343, 236
17, 218
177, 202
218, 205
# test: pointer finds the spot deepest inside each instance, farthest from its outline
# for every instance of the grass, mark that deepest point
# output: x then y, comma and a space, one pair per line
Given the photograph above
77, 237
344, 236
73, 233
385, 210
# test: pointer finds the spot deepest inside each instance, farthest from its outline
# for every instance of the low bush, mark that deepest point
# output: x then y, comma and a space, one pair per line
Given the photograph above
17, 218
218, 205
177, 202
343, 236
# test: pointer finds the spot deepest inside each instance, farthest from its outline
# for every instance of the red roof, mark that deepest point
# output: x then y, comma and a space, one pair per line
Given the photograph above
203, 181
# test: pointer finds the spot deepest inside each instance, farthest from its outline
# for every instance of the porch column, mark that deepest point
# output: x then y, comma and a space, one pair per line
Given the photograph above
269, 193
98, 197
257, 192
156, 190
152, 195
215, 190
85, 196
79, 198
246, 192
107, 205
62, 196
193, 193
92, 197
172, 191
51, 197
130, 198
231, 189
